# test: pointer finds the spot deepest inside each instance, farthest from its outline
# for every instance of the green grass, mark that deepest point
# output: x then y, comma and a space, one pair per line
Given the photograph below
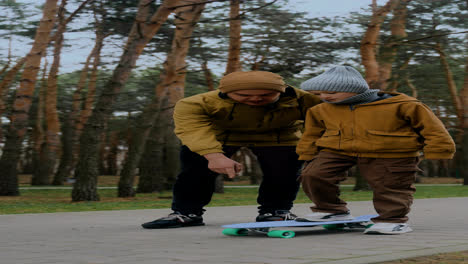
49, 201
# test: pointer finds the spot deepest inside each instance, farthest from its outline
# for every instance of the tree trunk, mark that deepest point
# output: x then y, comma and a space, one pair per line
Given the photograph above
22, 103
234, 63
369, 44
170, 89
26, 164
257, 63
450, 83
81, 111
204, 66
464, 101
103, 169
142, 32
208, 76
463, 169
360, 184
114, 142
63, 171
171, 155
7, 64
219, 184
40, 168
396, 75
250, 164
53, 140
4, 85
256, 174
151, 163
414, 91
40, 174
389, 50
70, 142
7, 79
144, 124
52, 123
459, 108
86, 173
160, 161
87, 108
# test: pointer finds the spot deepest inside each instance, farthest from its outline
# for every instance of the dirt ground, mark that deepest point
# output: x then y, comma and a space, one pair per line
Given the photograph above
446, 258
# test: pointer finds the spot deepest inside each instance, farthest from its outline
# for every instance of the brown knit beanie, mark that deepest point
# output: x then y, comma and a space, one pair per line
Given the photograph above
252, 80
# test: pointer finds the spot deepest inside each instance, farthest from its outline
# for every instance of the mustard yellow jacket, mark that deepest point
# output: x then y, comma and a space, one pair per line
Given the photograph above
396, 127
207, 121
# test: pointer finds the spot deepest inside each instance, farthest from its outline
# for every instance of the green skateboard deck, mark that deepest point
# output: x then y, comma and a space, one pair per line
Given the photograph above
266, 228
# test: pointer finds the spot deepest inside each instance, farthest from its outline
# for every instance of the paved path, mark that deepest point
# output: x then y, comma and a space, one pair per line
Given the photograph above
114, 237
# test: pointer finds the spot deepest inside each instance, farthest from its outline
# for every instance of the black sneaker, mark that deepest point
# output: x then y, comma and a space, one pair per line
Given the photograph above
175, 219
278, 215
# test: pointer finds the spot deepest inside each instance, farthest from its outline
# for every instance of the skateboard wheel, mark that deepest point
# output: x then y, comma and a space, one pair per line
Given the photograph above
281, 234
334, 226
356, 225
235, 232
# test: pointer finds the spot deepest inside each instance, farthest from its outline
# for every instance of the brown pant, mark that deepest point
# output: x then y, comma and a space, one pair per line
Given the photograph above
391, 180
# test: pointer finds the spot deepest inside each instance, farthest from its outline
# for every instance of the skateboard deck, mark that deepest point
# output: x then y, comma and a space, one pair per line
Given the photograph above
243, 229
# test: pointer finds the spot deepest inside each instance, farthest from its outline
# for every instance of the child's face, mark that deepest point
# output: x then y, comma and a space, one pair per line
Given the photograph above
332, 96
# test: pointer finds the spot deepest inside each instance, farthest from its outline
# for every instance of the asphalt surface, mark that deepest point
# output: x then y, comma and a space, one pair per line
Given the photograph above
115, 237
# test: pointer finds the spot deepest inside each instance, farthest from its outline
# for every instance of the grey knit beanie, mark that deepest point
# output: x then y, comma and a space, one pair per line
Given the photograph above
337, 79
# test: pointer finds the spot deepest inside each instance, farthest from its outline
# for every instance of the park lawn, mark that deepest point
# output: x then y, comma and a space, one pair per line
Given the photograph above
59, 200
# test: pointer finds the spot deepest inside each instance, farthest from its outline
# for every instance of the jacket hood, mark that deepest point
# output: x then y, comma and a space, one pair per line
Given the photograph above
396, 98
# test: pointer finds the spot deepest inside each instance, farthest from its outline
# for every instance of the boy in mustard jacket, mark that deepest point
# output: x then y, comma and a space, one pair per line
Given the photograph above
382, 133
254, 109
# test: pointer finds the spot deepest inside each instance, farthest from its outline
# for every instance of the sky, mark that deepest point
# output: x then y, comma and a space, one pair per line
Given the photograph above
74, 56
328, 7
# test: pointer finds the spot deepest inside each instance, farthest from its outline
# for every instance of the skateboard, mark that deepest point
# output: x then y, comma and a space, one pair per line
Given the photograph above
265, 228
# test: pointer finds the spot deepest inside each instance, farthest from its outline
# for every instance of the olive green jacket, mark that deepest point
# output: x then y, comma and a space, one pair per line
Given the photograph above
396, 127
207, 121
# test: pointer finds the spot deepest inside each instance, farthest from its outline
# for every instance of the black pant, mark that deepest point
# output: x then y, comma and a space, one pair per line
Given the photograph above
195, 184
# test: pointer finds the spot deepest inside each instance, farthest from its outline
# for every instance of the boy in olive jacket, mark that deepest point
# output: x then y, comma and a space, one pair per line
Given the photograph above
382, 133
253, 109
